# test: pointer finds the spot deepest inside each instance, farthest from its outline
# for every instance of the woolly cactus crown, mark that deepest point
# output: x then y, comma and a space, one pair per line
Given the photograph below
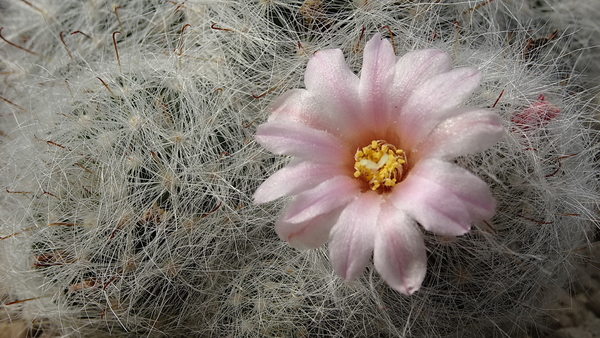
129, 164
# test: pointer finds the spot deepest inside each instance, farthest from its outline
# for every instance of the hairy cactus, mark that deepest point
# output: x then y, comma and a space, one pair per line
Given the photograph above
128, 166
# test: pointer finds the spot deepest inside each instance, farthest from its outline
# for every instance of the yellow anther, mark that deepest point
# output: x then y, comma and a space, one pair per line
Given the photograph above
380, 164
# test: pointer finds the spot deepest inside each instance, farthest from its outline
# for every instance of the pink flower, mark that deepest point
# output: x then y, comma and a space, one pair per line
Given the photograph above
536, 115
371, 159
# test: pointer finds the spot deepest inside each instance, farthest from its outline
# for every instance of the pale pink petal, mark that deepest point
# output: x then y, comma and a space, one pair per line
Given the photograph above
296, 139
296, 177
399, 254
352, 236
434, 101
443, 197
470, 132
536, 115
308, 234
334, 88
375, 79
322, 199
292, 105
414, 68
299, 105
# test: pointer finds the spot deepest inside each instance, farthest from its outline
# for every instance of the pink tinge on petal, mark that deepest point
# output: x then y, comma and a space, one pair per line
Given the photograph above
375, 79
334, 88
296, 177
434, 101
443, 197
310, 234
352, 237
321, 199
296, 139
414, 68
536, 115
399, 254
471, 132
296, 105
300, 105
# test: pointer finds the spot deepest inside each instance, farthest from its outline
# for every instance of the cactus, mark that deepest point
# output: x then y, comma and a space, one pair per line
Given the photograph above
128, 166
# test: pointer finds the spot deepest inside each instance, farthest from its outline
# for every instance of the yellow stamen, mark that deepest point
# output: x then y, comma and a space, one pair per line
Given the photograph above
380, 164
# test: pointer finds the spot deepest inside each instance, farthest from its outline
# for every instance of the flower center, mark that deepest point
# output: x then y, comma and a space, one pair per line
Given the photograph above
380, 164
